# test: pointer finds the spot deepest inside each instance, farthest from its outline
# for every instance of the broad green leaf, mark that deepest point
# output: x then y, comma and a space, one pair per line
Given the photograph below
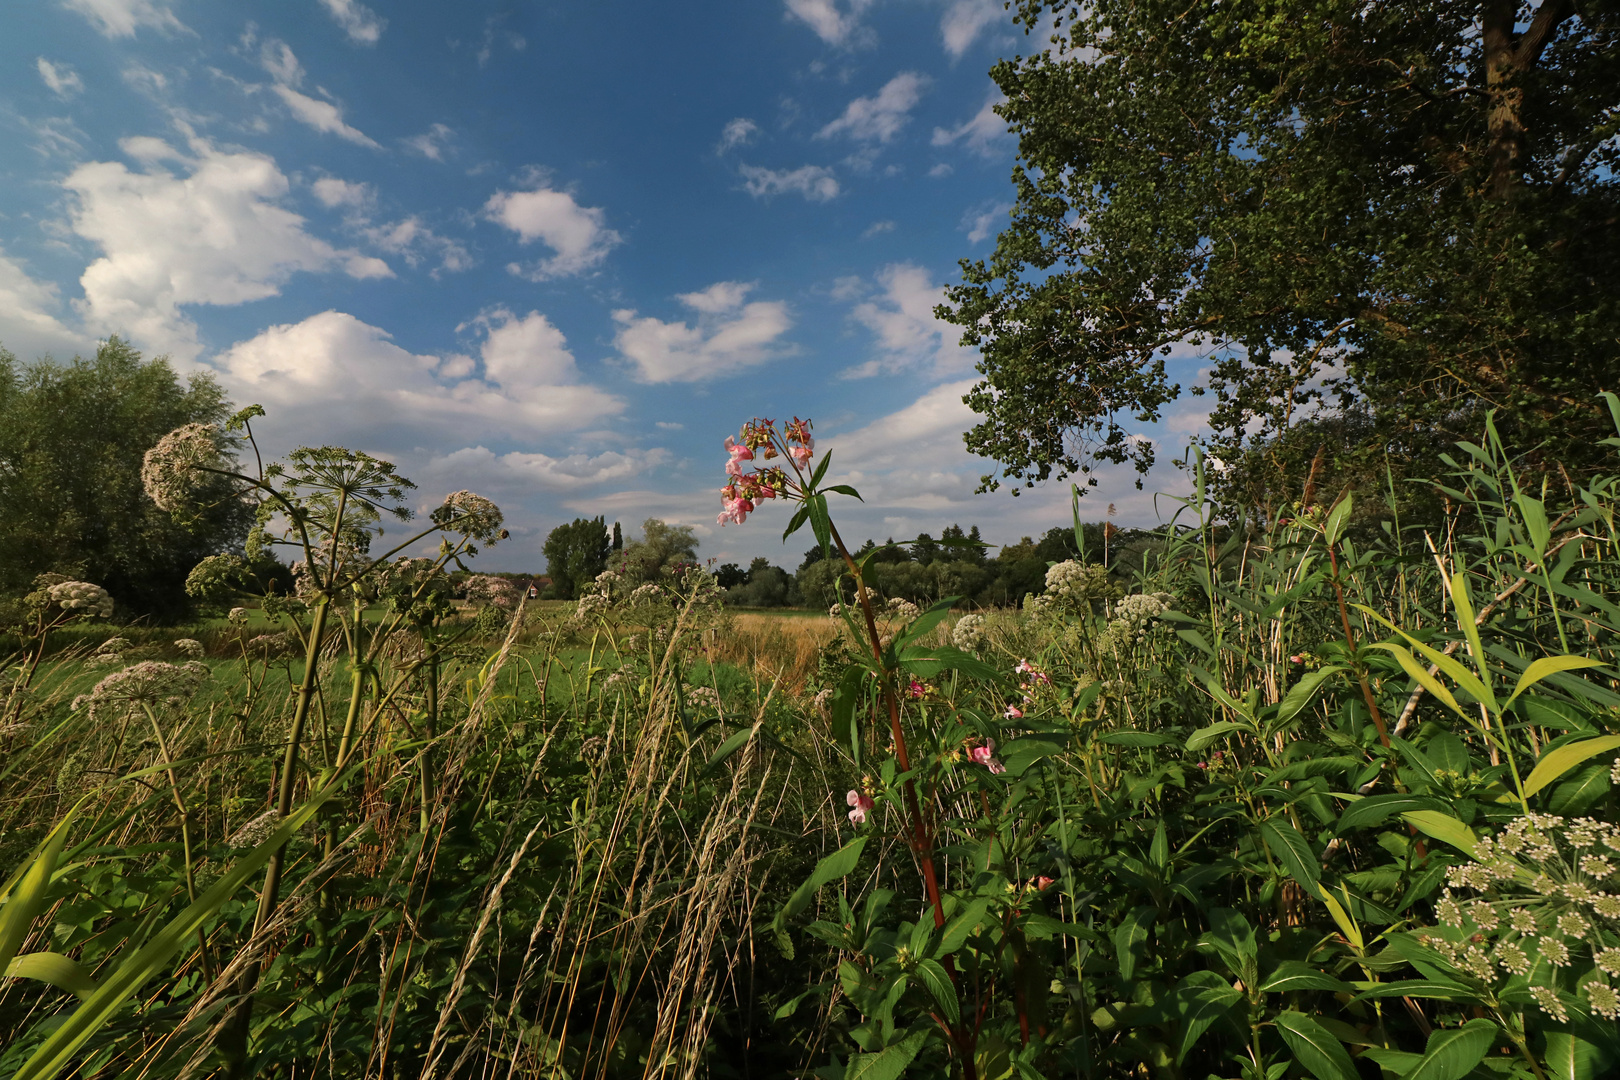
925, 663
1129, 934
1297, 975
1570, 1057
1452, 1053
25, 898
1294, 852
932, 974
1534, 513
1544, 666
926, 621
94, 1013
1322, 1055
1439, 989
1136, 740
1201, 1006
1559, 760
1442, 827
821, 469
1299, 695
890, 1062
1464, 605
1337, 518
1376, 809
848, 696
1582, 791
731, 746
1204, 736
1159, 850
55, 969
1020, 754
960, 927
839, 864
1341, 916
1418, 672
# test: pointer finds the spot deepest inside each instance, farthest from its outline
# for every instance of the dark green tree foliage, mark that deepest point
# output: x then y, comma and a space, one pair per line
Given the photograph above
730, 575
662, 548
764, 586
72, 438
575, 554
1408, 210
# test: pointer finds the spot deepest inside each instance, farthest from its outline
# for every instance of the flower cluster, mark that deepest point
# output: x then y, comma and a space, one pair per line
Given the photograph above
759, 440
190, 648
1130, 618
902, 610
150, 684
1539, 905
488, 591
858, 804
702, 697
471, 515
968, 633
81, 598
1076, 584
646, 595
172, 471
273, 644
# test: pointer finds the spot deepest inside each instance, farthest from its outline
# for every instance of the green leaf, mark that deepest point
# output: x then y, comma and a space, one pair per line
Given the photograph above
1294, 852
55, 969
845, 489
1559, 760
90, 1017
800, 516
932, 974
1570, 1057
1201, 1005
1322, 1055
23, 900
839, 864
1452, 1053
1544, 666
926, 621
961, 926
1204, 736
1020, 754
1419, 673
1376, 809
890, 1062
730, 746
1137, 740
1442, 827
1129, 934
821, 469
1337, 518
1297, 975
1299, 695
925, 663
1439, 989
1581, 792
849, 695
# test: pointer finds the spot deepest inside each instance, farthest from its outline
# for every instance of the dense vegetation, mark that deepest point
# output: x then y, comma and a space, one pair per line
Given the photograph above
1219, 811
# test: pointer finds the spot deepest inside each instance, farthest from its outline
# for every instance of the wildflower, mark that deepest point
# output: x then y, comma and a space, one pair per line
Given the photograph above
916, 690
903, 610
968, 633
1512, 957
172, 471
1547, 998
1604, 1001
150, 684
1297, 658
1608, 960
985, 755
1571, 923
81, 598
1580, 892
1554, 951
237, 617
1043, 883
1597, 866
471, 515
190, 648
1484, 915
859, 804
255, 832
1522, 921
1449, 910
1614, 772
1014, 713
271, 644
1607, 905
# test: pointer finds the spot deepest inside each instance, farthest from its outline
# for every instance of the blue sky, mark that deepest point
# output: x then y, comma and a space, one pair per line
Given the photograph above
553, 253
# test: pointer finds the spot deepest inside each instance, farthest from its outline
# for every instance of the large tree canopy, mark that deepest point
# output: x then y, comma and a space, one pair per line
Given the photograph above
71, 443
1407, 212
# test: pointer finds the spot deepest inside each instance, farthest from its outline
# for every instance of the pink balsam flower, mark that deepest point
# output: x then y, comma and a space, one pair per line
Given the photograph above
985, 755
1014, 712
859, 804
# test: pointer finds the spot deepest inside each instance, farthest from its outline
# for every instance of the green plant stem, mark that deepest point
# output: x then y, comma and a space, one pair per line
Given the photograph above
185, 834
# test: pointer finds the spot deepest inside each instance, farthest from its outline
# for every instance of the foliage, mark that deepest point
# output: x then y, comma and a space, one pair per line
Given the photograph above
576, 553
661, 550
1361, 211
72, 438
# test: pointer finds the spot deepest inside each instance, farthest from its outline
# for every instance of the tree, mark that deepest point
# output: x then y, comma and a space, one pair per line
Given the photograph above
575, 554
730, 575
662, 547
72, 439
1345, 205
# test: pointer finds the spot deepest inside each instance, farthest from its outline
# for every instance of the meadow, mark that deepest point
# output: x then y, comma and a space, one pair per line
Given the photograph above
1327, 795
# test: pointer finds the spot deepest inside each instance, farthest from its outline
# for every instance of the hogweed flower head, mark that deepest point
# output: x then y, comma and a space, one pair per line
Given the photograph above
190, 648
968, 633
81, 598
173, 472
149, 684
471, 515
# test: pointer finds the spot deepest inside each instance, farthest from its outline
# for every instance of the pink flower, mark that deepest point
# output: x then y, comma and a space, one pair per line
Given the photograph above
734, 512
738, 451
800, 455
1297, 658
1043, 882
985, 755
1024, 666
1014, 713
859, 804
916, 689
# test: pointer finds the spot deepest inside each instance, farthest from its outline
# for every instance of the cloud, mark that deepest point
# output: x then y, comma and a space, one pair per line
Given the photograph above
215, 234
876, 228
62, 79
333, 192
413, 241
880, 117
985, 133
815, 183
940, 170
28, 326
334, 376
324, 116
833, 25
121, 18
730, 335
909, 334
738, 132
964, 21
432, 142
520, 474
578, 234
363, 25
983, 220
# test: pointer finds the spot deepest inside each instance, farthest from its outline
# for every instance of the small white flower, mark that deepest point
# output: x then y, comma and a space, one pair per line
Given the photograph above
1522, 921
1450, 911
1484, 915
1547, 998
1604, 1001
1571, 923
1608, 960
1512, 958
1554, 951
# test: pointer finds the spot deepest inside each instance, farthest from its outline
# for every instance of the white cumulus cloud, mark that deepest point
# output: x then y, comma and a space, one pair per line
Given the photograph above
812, 181
880, 117
578, 234
834, 24
965, 20
984, 220
738, 132
432, 142
213, 233
363, 25
730, 334
333, 192
28, 322
333, 376
324, 116
121, 18
520, 473
909, 335
984, 133
62, 79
